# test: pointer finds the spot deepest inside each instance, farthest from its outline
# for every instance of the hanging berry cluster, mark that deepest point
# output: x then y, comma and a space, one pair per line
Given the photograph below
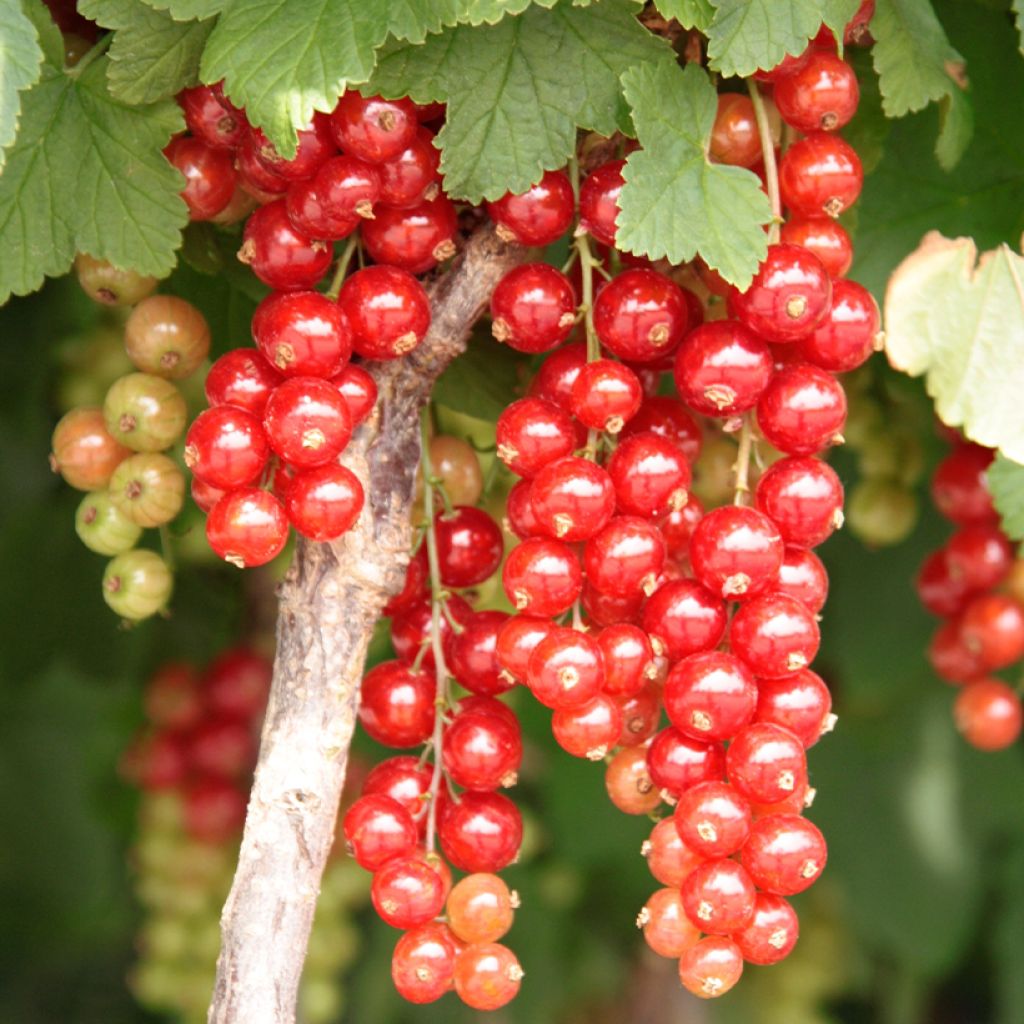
975, 584
193, 764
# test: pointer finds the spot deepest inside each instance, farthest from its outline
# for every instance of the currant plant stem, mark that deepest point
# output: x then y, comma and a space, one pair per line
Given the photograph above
771, 171
98, 49
436, 600
741, 471
343, 261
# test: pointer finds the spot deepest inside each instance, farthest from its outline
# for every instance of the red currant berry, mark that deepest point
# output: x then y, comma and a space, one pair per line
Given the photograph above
604, 609
397, 704
772, 934
589, 730
684, 618
359, 390
255, 177
404, 780
713, 819
538, 216
307, 421
735, 138
407, 892
571, 499
599, 201
388, 309
667, 929
469, 546
827, 239
157, 761
487, 976
324, 502
423, 963
243, 378
566, 669
670, 860
410, 629
481, 832
519, 511
736, 551
988, 714
302, 334
628, 782
209, 176
650, 474
789, 64
960, 486
145, 412
531, 433
247, 527
641, 315
718, 897
710, 695
412, 176
482, 751
606, 395
315, 146
377, 828
167, 336
371, 128
800, 703
775, 635
533, 308
766, 763
83, 451
678, 762
472, 654
950, 657
517, 639
236, 684
802, 410
677, 529
669, 419
803, 576
310, 213
558, 373
414, 239
279, 255
628, 659
212, 117
784, 854
820, 174
226, 448
992, 628
711, 967
481, 908
980, 557
415, 586
722, 368
624, 557
850, 332
804, 497
822, 95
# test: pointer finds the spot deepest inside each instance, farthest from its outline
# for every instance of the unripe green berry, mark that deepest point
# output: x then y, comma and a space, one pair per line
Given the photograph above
137, 584
103, 282
145, 412
103, 527
881, 512
167, 336
148, 488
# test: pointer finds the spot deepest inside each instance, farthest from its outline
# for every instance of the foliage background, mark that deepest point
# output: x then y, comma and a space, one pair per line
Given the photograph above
921, 913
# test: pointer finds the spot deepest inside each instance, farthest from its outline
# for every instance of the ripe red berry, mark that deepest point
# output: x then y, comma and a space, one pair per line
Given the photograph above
667, 418
589, 730
423, 963
410, 628
599, 200
241, 377
481, 831
412, 176
542, 577
407, 892
279, 255
405, 781
678, 762
784, 854
371, 128
766, 763
803, 576
236, 683
307, 421
718, 897
531, 433
533, 308
226, 447
670, 860
571, 499
711, 967
950, 657
324, 502
472, 654
641, 315
415, 586
667, 929
682, 617
804, 497
213, 810
538, 216
992, 628
650, 474
254, 176
735, 138
821, 95
302, 334
469, 546
802, 410
988, 714
713, 819
566, 669
960, 486
820, 174
710, 696
604, 609
722, 368
849, 333
314, 147
212, 117
388, 310
247, 527
359, 390
516, 641
557, 374
628, 782
415, 239
222, 746
773, 932
482, 752
979, 557
827, 239
397, 704
775, 635
628, 659
800, 703
736, 552
626, 556
487, 976
606, 395
481, 908
377, 828
209, 176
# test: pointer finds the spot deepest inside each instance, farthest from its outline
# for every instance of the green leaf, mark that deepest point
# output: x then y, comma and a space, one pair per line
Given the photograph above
479, 382
1018, 16
1008, 937
152, 55
689, 13
517, 91
86, 174
20, 60
1006, 482
676, 203
749, 34
490, 12
960, 321
188, 10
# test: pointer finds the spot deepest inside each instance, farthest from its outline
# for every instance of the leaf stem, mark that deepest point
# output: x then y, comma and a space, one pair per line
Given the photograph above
98, 49
771, 171
342, 268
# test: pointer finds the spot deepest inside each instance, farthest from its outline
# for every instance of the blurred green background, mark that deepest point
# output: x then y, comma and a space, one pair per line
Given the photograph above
920, 915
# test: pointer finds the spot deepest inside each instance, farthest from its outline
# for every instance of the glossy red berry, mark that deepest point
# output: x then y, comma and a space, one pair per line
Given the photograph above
718, 897
650, 474
571, 499
324, 502
735, 138
538, 216
628, 782
566, 669
736, 552
850, 332
206, 496
713, 819
481, 908
482, 752
677, 529
472, 655
487, 976
804, 498
558, 373
641, 315
711, 967
241, 377
209, 176
722, 368
247, 527
404, 780
667, 418
307, 421
604, 609
533, 308
827, 239
423, 963
988, 714
766, 763
992, 629
359, 390
481, 831
667, 929
302, 334
800, 703
682, 618
589, 730
371, 128
803, 576
415, 239
628, 659
670, 860
279, 255
412, 176
531, 433
341, 194
950, 657
599, 200
820, 174
388, 310
979, 557
407, 892
960, 487
802, 410
415, 586
516, 641
377, 828
820, 96
542, 577
678, 762
625, 557
314, 147
519, 511
254, 176
310, 213
469, 546
212, 117
606, 395
784, 854
397, 704
226, 447
775, 635
410, 628
773, 932
710, 696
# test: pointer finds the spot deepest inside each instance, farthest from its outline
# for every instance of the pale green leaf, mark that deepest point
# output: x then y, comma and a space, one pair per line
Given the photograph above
956, 127
188, 10
960, 322
490, 12
836, 14
516, 91
676, 203
1006, 482
152, 55
1018, 15
20, 60
86, 174
689, 13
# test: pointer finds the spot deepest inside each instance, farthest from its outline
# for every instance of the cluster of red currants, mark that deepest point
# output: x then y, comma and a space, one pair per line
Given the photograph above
284, 413
975, 583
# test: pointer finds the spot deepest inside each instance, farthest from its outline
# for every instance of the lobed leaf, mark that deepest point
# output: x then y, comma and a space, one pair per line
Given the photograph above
689, 13
1006, 482
20, 60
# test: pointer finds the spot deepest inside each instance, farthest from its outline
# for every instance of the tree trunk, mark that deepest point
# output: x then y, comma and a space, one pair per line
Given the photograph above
330, 600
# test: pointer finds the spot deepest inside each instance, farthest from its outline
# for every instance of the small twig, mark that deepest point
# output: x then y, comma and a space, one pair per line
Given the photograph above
771, 172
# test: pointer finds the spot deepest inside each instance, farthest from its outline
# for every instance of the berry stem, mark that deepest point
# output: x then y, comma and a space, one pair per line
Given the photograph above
437, 592
98, 49
342, 269
771, 172
165, 547
742, 467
